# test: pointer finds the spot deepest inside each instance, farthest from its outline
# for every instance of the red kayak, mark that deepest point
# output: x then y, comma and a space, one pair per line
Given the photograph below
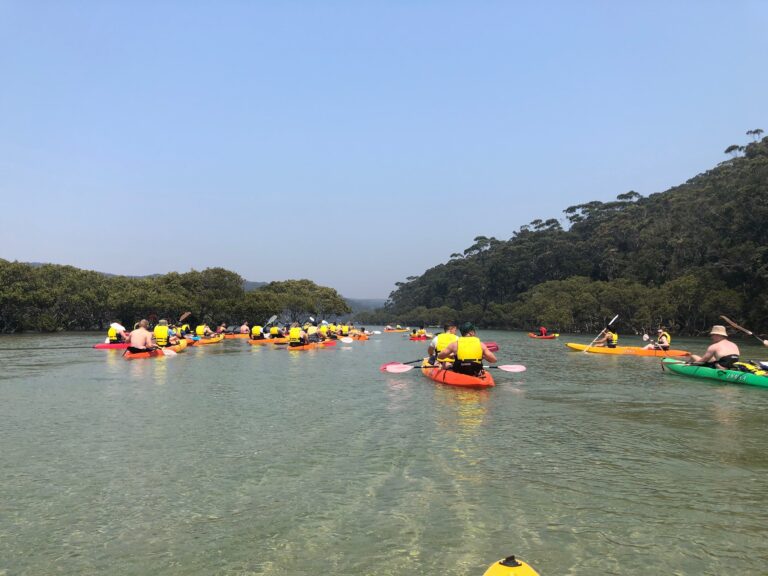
451, 378
547, 337
117, 346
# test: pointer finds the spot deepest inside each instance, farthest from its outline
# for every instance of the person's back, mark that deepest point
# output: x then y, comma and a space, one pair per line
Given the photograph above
244, 329
722, 353
257, 333
141, 338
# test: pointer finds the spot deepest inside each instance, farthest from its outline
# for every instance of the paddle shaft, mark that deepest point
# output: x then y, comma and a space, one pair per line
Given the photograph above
742, 329
601, 333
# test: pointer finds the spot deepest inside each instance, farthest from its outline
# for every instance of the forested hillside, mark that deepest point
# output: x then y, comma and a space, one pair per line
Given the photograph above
49, 297
678, 258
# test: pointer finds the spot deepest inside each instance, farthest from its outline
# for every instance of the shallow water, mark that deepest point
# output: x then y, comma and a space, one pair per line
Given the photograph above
232, 459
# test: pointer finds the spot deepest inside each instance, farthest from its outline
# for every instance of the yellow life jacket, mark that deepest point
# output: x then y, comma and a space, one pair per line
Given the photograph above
200, 330
184, 329
345, 330
421, 332
443, 340
161, 335
469, 349
274, 331
112, 335
612, 337
294, 335
311, 330
324, 329
255, 331
332, 327
667, 336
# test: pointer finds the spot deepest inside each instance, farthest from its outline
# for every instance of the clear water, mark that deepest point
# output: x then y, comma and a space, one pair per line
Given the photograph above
232, 459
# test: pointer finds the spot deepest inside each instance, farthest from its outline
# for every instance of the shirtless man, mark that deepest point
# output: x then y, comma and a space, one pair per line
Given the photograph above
722, 353
141, 338
245, 329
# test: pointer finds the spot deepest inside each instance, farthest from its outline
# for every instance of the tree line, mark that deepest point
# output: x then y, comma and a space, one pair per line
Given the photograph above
50, 298
679, 258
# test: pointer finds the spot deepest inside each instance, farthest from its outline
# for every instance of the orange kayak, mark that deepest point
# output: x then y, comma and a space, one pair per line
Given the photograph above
626, 350
211, 340
233, 336
547, 337
452, 378
313, 345
395, 330
268, 341
156, 352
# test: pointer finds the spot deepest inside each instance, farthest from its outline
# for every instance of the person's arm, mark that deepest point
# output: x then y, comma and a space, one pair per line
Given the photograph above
447, 351
708, 355
487, 354
432, 346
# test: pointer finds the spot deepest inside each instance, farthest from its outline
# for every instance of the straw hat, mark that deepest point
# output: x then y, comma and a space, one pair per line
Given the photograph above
718, 330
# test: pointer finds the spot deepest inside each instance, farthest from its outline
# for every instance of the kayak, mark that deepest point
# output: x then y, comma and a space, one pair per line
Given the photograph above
263, 341
418, 338
510, 566
115, 346
727, 376
313, 345
156, 352
212, 340
359, 337
238, 335
547, 337
452, 378
627, 350
396, 330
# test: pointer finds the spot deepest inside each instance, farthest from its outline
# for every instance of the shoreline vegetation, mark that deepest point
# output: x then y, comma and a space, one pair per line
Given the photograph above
677, 259
53, 298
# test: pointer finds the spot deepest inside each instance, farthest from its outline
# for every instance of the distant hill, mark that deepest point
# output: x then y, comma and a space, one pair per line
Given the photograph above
362, 304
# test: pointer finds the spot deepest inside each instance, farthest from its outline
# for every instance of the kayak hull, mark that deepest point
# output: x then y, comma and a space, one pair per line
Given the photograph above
361, 337
104, 346
418, 338
451, 378
211, 340
547, 337
395, 331
234, 336
312, 346
725, 376
627, 351
510, 567
264, 341
155, 353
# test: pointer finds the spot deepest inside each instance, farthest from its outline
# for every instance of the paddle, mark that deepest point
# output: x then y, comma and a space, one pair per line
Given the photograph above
400, 368
601, 333
346, 339
383, 367
185, 316
742, 329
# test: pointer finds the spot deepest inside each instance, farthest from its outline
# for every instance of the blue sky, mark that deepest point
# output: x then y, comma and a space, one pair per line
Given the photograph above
352, 143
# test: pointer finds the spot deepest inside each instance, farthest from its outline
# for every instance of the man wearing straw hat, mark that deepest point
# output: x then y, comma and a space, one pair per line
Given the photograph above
722, 353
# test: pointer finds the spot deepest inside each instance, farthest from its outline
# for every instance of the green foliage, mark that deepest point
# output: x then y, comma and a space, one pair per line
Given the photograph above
679, 258
49, 298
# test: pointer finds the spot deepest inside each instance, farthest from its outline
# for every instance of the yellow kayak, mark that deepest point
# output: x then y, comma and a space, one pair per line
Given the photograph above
627, 350
510, 566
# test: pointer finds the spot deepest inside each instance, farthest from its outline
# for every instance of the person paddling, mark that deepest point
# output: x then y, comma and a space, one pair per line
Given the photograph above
245, 329
257, 333
163, 335
468, 351
663, 341
722, 353
609, 339
297, 336
141, 338
542, 331
441, 341
117, 333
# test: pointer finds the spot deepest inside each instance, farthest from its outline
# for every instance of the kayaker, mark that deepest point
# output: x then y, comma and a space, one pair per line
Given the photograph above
222, 328
542, 331
141, 338
663, 341
257, 333
312, 333
441, 341
116, 333
468, 352
163, 335
297, 336
183, 329
609, 339
324, 330
721, 354
245, 329
203, 330
276, 332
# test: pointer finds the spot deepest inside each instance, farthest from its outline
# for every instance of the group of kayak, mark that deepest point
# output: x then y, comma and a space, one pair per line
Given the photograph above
721, 361
165, 339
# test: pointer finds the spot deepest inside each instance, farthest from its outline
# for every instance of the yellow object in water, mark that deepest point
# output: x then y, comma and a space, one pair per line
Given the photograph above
510, 566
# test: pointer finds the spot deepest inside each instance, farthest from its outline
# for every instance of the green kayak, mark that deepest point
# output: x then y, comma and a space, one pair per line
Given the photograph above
729, 376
